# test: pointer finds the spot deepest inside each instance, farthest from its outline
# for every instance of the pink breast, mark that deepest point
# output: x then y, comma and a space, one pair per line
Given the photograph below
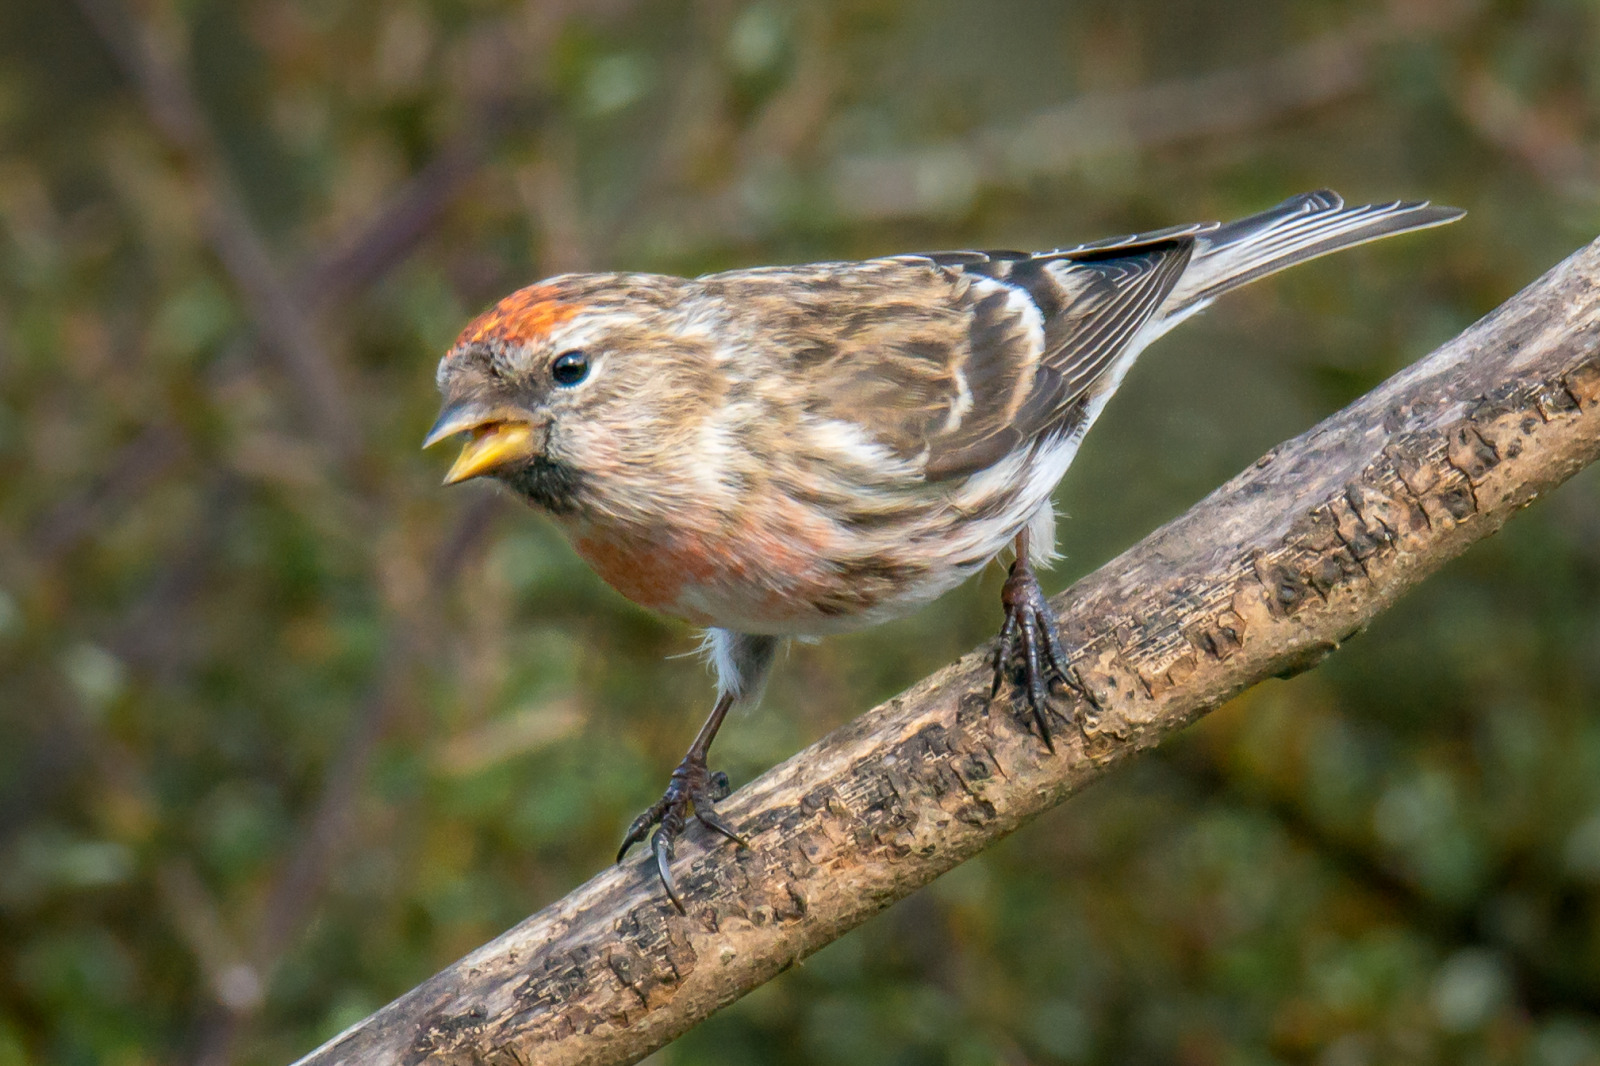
767, 569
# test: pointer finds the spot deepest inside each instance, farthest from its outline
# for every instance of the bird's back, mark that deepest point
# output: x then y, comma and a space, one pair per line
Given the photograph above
923, 407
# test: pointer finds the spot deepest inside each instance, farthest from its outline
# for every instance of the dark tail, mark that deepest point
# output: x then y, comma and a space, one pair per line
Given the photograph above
1301, 228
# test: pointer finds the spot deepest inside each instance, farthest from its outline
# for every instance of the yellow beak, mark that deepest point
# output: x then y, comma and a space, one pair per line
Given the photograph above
495, 443
491, 447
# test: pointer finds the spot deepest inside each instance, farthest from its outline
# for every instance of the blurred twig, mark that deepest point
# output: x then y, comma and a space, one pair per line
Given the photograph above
1546, 143
152, 52
698, 124
395, 229
293, 893
155, 635
1058, 140
946, 178
139, 464
193, 911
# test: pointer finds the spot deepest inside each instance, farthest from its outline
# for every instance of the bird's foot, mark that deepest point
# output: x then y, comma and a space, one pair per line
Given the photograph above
693, 788
1030, 629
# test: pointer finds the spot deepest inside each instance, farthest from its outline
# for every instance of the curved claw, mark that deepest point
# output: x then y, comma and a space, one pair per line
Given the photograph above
712, 820
692, 787
661, 844
1038, 694
1029, 628
641, 825
1002, 652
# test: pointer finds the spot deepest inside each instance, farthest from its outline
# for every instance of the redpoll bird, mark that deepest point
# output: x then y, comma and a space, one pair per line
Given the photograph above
798, 451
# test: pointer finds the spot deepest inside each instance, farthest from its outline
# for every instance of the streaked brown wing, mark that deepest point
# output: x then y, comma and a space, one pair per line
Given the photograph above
1091, 306
884, 345
952, 360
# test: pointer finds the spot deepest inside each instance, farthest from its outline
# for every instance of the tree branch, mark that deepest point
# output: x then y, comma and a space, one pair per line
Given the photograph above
1264, 577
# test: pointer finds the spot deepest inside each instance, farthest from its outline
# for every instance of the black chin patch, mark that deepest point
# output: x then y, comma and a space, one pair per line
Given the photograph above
546, 483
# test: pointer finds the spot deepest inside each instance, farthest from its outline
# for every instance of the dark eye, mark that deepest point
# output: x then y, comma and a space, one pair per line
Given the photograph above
570, 368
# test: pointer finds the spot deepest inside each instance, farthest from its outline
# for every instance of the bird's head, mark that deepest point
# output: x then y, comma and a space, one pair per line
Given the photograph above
570, 384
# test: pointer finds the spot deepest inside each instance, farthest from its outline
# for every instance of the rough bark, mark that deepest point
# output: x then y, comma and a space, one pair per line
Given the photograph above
1264, 577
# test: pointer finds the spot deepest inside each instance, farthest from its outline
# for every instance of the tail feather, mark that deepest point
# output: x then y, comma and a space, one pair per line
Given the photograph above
1301, 228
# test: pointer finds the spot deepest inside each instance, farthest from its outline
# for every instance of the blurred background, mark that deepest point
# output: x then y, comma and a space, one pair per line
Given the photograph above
285, 726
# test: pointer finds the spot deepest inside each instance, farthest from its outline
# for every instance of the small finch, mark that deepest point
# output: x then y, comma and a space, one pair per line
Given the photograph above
798, 451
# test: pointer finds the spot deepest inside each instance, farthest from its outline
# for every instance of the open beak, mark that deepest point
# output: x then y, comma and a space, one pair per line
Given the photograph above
497, 441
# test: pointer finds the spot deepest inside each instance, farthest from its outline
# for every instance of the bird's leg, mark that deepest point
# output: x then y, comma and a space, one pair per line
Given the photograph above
1029, 628
692, 787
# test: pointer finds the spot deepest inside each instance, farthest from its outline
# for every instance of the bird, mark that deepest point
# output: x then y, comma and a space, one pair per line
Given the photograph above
797, 451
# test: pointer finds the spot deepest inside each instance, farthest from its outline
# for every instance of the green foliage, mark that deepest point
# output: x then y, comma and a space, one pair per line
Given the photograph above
285, 727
